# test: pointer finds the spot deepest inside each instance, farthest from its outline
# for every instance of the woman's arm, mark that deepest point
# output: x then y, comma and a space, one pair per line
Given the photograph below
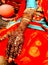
17, 37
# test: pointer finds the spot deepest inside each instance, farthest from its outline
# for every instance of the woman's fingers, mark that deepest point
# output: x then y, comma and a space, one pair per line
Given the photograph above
10, 59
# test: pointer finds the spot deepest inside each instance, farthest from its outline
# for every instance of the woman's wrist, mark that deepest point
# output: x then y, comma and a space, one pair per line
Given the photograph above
26, 18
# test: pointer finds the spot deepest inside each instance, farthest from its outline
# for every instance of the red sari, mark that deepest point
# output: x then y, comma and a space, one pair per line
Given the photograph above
44, 5
35, 47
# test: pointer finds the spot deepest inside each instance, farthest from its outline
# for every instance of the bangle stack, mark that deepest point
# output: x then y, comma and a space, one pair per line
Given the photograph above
26, 19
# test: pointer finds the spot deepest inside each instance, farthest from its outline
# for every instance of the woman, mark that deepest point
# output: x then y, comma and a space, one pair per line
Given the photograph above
26, 18
16, 37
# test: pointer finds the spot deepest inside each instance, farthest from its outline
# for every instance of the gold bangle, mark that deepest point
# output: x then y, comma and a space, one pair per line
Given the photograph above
27, 19
29, 11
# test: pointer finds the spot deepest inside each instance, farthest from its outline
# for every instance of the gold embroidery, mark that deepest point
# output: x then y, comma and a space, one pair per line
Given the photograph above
34, 51
33, 35
45, 62
25, 59
47, 11
29, 42
47, 54
38, 43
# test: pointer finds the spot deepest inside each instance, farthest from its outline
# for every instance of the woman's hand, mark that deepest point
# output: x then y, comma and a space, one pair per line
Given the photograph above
14, 46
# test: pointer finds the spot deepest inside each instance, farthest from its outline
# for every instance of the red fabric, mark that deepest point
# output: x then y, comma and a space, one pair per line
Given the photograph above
44, 5
13, 1
33, 39
21, 8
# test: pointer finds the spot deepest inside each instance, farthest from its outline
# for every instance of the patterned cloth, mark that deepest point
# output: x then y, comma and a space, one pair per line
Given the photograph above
44, 5
33, 4
35, 47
